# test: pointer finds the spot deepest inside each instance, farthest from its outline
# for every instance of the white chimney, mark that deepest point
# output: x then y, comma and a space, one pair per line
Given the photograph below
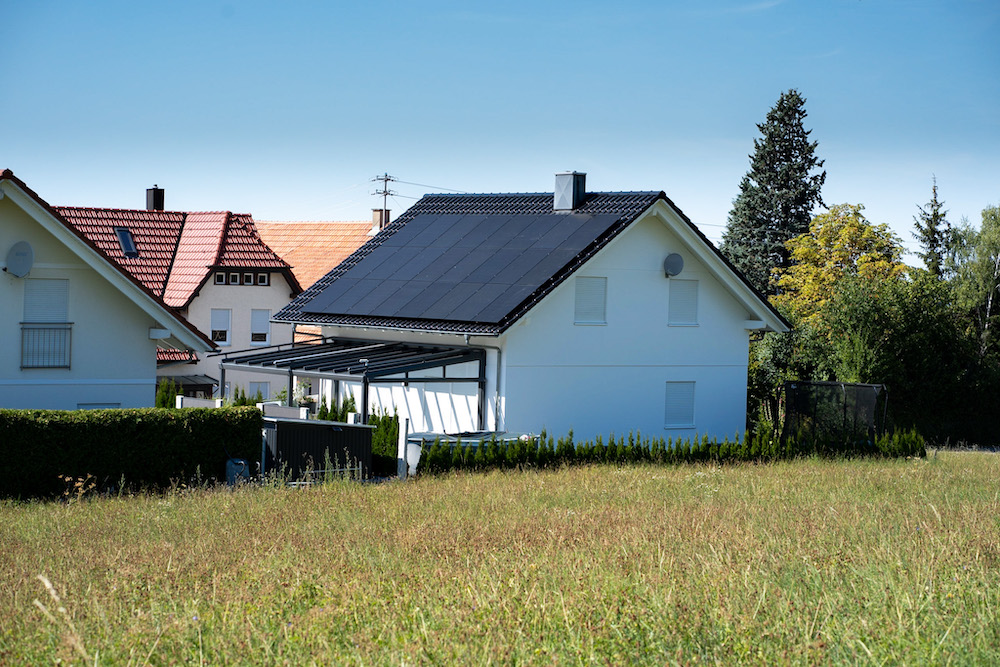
571, 190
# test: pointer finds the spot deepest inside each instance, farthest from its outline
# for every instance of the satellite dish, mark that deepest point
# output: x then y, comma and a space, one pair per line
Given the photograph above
20, 258
673, 264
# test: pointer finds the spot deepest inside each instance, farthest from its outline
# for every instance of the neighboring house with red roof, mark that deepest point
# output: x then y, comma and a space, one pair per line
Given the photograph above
591, 311
82, 321
212, 268
314, 248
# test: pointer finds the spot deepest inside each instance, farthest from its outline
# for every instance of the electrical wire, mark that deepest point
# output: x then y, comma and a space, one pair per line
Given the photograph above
432, 187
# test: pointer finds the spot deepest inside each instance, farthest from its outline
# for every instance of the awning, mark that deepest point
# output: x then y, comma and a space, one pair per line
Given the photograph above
364, 361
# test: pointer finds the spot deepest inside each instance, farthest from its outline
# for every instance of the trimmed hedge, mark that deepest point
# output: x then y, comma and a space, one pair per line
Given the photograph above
145, 448
543, 451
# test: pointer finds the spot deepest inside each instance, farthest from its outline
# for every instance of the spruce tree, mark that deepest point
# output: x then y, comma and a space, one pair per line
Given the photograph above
933, 233
777, 195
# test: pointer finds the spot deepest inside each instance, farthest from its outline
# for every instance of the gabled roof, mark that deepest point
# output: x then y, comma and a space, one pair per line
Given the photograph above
177, 251
313, 248
465, 263
94, 249
475, 264
155, 234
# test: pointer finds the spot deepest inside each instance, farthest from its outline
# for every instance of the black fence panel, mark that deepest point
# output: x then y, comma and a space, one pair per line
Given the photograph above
840, 412
302, 449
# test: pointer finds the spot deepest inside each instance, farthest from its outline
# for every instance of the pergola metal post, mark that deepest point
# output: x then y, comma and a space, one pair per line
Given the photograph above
482, 392
364, 398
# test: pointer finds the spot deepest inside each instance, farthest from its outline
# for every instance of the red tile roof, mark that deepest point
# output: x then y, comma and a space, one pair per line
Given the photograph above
154, 232
168, 357
314, 248
143, 279
177, 251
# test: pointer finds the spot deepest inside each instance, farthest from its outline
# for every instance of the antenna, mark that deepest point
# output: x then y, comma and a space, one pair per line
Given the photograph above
385, 191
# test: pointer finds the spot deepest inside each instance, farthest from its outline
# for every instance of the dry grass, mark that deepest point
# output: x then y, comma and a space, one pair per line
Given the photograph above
812, 561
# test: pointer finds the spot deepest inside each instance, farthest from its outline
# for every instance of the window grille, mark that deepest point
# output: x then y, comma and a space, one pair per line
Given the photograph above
45, 345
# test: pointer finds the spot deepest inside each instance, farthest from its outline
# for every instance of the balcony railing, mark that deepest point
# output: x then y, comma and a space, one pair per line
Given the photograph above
45, 345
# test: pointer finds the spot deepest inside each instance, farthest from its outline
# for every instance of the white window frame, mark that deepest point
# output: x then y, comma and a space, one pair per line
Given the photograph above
219, 317
234, 278
682, 308
263, 279
590, 300
260, 323
679, 404
220, 278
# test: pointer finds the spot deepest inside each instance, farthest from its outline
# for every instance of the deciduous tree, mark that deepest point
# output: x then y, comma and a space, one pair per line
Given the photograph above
975, 261
839, 243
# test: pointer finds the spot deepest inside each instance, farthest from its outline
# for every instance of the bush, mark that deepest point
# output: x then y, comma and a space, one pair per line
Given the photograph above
542, 452
147, 447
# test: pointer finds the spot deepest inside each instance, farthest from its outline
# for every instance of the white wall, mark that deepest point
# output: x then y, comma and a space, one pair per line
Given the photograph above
612, 377
596, 379
445, 407
240, 300
113, 361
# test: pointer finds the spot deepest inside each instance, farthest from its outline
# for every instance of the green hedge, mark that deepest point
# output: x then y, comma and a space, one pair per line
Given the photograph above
147, 448
543, 451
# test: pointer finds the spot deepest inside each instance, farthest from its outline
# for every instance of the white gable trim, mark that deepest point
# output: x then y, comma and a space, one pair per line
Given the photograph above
163, 317
761, 315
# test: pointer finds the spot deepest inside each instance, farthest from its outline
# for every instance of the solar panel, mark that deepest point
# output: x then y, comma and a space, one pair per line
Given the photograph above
460, 267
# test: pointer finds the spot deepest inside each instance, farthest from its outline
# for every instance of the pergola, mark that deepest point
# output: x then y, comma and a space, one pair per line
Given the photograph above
365, 361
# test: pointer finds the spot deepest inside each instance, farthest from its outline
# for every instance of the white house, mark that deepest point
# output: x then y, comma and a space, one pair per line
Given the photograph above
212, 268
596, 312
77, 330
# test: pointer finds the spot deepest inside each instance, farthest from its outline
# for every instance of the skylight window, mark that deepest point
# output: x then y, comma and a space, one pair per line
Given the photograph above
126, 242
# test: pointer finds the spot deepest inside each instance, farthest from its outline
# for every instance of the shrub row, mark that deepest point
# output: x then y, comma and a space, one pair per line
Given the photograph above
543, 451
145, 448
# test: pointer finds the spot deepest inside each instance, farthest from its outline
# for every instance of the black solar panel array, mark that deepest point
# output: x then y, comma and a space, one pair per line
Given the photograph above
518, 212
469, 268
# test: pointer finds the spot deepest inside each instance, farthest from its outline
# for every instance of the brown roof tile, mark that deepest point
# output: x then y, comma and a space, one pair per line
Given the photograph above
155, 234
177, 250
313, 248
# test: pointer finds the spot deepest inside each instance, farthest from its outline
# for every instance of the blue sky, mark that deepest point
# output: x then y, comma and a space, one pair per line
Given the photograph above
287, 110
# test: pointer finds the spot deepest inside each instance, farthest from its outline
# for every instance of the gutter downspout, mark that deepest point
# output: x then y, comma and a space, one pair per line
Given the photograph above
496, 395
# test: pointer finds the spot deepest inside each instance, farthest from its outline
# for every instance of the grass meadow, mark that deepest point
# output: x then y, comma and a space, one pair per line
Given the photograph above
811, 561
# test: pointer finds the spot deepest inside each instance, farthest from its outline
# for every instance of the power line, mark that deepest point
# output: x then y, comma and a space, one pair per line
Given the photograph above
432, 187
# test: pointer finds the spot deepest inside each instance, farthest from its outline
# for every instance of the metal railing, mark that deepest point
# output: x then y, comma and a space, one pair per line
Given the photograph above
46, 345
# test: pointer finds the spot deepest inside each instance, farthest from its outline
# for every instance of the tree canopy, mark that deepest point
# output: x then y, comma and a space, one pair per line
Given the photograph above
975, 261
933, 233
839, 243
777, 195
